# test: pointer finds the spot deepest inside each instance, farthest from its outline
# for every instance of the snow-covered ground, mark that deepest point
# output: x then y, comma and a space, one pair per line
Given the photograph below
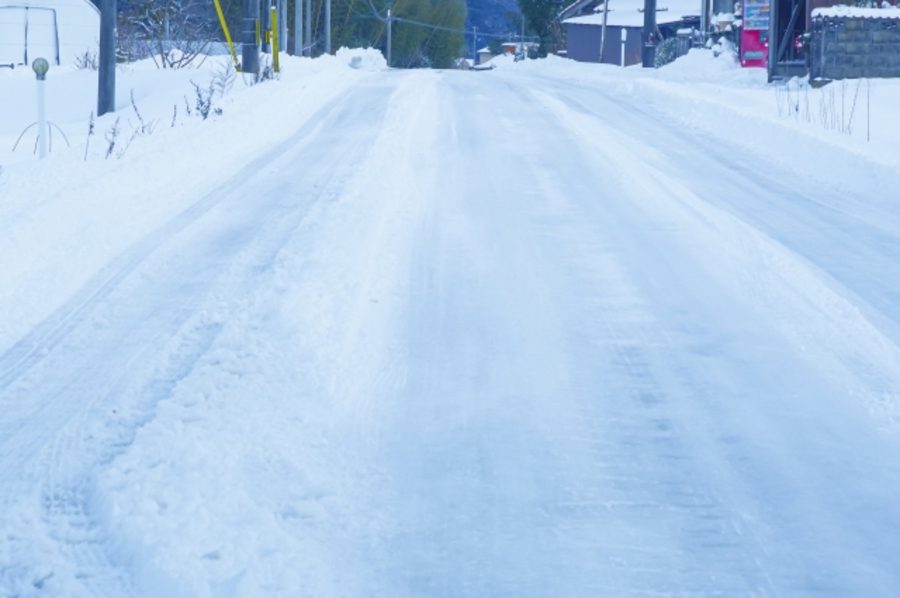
548, 330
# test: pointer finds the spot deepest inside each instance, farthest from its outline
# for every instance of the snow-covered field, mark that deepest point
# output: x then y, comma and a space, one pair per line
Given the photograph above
548, 330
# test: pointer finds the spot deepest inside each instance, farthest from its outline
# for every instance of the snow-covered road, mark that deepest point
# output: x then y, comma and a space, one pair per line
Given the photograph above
476, 334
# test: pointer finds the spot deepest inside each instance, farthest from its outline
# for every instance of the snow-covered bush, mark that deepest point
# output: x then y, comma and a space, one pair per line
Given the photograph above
666, 52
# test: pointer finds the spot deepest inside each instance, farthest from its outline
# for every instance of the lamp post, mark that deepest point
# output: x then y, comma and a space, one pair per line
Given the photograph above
40, 67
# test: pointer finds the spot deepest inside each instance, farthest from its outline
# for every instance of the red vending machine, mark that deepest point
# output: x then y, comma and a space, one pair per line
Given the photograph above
755, 33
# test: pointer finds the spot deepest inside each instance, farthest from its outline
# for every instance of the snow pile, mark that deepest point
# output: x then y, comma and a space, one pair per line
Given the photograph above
365, 59
707, 89
63, 220
717, 66
500, 61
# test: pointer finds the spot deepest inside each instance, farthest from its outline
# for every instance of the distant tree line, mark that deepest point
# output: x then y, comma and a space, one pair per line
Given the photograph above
172, 31
354, 24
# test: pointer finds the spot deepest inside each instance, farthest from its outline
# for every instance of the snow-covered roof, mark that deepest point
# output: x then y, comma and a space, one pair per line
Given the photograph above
630, 13
574, 8
857, 12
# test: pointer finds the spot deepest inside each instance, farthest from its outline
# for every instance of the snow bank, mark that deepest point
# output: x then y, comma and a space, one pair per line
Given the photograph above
365, 59
59, 217
708, 90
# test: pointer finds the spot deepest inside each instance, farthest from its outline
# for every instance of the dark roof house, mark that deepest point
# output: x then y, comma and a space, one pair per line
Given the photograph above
583, 23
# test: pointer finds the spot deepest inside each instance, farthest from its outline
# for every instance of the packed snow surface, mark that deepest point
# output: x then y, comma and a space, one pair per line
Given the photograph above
548, 330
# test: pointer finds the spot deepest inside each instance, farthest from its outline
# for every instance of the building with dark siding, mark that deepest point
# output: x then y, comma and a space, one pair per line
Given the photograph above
583, 21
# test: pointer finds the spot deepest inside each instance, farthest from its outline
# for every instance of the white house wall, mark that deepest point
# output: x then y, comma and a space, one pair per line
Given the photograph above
77, 25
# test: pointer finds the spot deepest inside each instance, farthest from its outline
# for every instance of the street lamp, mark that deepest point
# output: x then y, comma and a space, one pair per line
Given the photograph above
40, 67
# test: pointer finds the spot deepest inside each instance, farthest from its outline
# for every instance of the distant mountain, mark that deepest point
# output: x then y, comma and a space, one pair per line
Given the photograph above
492, 16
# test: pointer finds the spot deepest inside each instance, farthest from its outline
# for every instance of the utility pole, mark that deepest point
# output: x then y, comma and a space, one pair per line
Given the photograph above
704, 17
283, 22
298, 27
522, 37
106, 73
390, 37
648, 37
474, 45
603, 29
328, 26
249, 43
307, 50
265, 26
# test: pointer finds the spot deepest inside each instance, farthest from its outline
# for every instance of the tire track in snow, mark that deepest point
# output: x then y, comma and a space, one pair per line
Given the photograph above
835, 330
218, 246
709, 243
811, 212
531, 444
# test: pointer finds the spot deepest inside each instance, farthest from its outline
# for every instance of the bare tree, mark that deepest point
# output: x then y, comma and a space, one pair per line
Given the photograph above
174, 33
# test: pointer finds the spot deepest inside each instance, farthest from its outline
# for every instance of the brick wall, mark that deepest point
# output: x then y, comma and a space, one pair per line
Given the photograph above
854, 47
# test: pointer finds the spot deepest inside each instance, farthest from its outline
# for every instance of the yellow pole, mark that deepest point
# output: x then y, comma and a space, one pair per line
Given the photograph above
275, 39
227, 33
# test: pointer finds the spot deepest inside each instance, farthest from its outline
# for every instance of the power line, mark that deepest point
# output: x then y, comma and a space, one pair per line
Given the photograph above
466, 32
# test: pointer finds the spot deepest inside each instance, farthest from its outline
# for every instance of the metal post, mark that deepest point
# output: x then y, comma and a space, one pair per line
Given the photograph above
106, 74
603, 29
474, 45
390, 38
283, 21
704, 17
298, 27
648, 37
328, 26
276, 43
307, 50
265, 25
624, 41
42, 120
522, 39
249, 42
774, 9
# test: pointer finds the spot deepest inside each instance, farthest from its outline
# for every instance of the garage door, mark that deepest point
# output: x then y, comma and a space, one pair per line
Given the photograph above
12, 35
26, 33
41, 39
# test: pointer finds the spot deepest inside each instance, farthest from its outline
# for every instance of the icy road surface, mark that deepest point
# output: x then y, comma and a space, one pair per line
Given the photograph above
490, 334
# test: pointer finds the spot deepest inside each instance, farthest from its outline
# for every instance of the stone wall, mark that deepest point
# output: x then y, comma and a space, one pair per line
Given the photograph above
854, 47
